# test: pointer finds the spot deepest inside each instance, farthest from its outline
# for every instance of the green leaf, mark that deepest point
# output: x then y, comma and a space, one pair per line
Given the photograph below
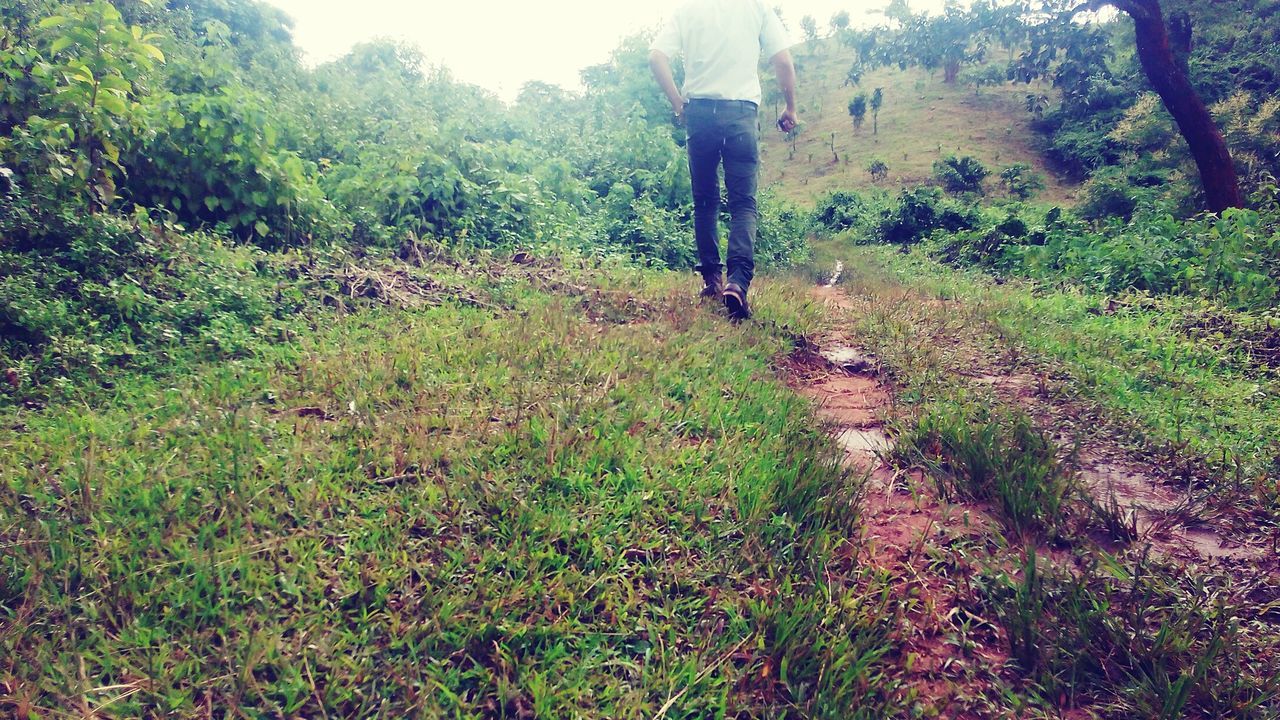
152, 51
53, 21
212, 203
112, 103
262, 228
59, 44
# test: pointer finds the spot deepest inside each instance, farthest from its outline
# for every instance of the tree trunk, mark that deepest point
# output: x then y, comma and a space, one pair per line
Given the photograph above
1169, 78
951, 72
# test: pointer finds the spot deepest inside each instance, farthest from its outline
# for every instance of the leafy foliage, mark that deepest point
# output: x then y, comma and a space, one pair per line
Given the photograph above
961, 174
920, 212
1021, 181
840, 211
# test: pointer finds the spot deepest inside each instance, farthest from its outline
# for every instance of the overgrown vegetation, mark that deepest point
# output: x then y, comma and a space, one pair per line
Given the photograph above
134, 133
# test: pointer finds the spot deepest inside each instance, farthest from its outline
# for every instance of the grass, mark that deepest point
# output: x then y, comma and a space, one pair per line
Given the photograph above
923, 120
993, 457
1146, 638
1168, 391
571, 492
597, 502
1092, 633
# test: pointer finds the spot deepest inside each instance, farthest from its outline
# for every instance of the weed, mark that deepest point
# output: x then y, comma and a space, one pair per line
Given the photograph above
1001, 459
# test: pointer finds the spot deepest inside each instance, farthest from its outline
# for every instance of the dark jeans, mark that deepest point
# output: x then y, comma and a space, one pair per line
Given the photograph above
724, 132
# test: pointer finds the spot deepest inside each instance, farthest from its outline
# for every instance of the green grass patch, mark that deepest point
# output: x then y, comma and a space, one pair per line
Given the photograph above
597, 503
998, 457
1144, 640
1203, 401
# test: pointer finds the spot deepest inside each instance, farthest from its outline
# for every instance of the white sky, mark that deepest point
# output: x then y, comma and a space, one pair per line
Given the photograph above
501, 44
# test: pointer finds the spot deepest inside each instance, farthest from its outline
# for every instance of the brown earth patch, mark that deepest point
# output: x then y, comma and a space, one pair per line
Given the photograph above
948, 656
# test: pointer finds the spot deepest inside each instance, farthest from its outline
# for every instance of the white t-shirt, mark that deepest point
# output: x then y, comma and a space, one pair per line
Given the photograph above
722, 42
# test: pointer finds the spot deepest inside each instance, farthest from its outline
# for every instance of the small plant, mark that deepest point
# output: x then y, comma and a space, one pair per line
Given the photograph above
877, 102
1021, 181
1002, 459
878, 170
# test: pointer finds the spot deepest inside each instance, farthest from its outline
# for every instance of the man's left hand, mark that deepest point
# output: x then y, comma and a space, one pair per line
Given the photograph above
788, 121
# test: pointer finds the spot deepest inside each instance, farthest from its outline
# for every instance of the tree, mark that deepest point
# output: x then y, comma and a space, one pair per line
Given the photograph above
1167, 73
840, 22
773, 96
1163, 47
777, 10
877, 102
809, 26
858, 110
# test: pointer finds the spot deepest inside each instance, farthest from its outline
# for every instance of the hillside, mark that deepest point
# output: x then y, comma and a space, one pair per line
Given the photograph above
353, 392
923, 119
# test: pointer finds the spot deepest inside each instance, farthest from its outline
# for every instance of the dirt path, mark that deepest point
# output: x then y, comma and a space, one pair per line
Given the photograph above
949, 655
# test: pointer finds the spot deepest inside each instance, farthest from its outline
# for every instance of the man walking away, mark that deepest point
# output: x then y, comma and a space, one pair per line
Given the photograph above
722, 42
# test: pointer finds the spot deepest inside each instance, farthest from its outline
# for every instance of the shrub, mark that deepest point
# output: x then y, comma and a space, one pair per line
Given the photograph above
1234, 259
878, 170
644, 230
782, 239
920, 212
216, 160
960, 174
984, 248
839, 211
81, 294
1110, 193
1020, 181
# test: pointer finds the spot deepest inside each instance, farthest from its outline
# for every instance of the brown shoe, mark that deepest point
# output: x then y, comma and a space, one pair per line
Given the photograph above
735, 301
714, 286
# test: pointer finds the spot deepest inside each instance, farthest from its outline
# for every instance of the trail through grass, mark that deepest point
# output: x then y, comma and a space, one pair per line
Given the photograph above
1204, 405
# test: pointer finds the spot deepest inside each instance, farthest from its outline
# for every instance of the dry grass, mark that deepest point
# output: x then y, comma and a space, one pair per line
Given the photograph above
923, 119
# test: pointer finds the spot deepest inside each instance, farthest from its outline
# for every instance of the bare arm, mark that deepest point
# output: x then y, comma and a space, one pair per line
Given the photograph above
785, 69
660, 64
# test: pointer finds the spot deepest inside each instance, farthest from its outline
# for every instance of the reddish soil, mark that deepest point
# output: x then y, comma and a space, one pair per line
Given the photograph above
949, 655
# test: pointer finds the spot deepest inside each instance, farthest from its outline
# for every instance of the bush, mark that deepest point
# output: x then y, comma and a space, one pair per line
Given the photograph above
1020, 181
1111, 193
86, 293
960, 174
782, 239
641, 228
878, 170
920, 212
840, 211
216, 160
1234, 259
984, 247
